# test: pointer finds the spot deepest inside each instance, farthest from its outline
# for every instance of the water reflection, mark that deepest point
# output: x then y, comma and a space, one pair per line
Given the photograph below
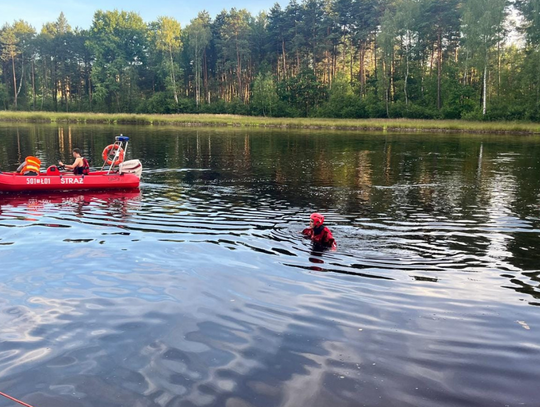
32, 207
200, 291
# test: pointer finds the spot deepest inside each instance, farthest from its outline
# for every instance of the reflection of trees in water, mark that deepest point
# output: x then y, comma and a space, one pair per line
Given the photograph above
51, 143
304, 164
364, 175
448, 176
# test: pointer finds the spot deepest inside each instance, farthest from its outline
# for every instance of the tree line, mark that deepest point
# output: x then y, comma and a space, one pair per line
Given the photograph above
449, 59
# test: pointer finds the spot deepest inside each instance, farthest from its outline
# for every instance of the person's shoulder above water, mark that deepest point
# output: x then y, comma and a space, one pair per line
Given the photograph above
328, 238
318, 232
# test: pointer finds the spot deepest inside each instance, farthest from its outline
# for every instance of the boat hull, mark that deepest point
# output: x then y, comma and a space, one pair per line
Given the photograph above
13, 182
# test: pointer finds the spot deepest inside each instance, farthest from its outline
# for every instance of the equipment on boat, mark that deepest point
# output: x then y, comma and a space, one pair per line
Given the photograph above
131, 167
113, 153
118, 175
29, 166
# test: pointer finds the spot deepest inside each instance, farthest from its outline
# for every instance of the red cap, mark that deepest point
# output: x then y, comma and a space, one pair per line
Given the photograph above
317, 219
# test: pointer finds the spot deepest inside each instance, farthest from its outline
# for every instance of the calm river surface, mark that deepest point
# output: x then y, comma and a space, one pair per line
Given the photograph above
199, 291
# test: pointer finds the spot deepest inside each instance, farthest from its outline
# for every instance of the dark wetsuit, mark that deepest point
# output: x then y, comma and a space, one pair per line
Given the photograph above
321, 236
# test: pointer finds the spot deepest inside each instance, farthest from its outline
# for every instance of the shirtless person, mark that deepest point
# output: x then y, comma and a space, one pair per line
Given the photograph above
80, 166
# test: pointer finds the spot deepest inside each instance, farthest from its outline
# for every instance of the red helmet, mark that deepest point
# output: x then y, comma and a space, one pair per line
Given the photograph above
317, 219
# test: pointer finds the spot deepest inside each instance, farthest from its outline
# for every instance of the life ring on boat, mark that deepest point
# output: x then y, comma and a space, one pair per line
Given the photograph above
113, 148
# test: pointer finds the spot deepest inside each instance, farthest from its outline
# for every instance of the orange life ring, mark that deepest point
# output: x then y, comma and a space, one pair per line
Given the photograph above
114, 148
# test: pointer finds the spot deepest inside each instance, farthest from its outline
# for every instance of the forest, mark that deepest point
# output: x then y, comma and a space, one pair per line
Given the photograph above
421, 59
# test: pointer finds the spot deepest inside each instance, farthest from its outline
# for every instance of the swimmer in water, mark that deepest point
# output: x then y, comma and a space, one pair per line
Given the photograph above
319, 234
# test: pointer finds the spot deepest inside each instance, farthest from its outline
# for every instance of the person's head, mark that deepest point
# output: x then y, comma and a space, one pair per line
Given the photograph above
76, 152
316, 220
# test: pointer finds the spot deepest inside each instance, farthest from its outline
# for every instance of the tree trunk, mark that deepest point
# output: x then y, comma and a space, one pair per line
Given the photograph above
66, 99
22, 76
197, 72
284, 57
351, 63
499, 72
439, 69
80, 87
205, 68
362, 49
90, 91
327, 74
392, 81
239, 70
328, 61
54, 89
465, 73
15, 94
375, 61
314, 61
422, 76
33, 85
386, 88
44, 85
431, 60
343, 59
173, 76
406, 81
334, 61
484, 92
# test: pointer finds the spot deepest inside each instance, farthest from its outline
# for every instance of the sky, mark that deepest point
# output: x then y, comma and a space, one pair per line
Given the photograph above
79, 13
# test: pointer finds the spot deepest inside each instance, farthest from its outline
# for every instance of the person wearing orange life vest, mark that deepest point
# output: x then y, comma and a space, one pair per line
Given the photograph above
80, 166
318, 233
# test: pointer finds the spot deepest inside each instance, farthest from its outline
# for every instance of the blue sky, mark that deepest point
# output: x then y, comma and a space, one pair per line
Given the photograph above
79, 13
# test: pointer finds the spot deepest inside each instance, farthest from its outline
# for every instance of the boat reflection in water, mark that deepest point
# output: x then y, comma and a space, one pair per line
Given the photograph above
32, 207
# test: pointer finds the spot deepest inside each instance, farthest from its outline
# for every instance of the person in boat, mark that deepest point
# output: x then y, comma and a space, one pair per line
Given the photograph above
80, 166
319, 234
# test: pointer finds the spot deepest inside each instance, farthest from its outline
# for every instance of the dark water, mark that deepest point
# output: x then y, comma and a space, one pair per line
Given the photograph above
198, 290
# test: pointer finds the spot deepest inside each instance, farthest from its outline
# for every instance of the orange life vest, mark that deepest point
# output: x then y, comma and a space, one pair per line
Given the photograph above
31, 164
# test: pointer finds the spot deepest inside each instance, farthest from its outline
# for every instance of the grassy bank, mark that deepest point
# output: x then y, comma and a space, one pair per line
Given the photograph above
394, 125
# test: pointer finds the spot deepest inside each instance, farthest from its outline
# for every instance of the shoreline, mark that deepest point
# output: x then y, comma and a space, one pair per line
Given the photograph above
214, 120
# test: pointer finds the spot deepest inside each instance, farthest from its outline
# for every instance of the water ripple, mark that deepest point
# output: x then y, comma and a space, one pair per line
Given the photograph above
199, 290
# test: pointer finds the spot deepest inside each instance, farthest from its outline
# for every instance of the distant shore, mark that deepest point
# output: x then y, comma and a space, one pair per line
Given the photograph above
211, 120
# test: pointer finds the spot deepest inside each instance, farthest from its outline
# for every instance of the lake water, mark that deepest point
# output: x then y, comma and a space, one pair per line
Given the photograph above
199, 290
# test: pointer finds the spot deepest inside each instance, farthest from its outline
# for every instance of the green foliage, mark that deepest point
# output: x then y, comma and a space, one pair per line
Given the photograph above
161, 103
302, 92
530, 10
4, 97
118, 40
199, 35
342, 101
16, 42
418, 59
265, 98
165, 37
483, 28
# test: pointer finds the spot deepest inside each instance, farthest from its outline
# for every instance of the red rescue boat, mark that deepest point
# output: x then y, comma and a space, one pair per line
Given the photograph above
14, 182
119, 175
